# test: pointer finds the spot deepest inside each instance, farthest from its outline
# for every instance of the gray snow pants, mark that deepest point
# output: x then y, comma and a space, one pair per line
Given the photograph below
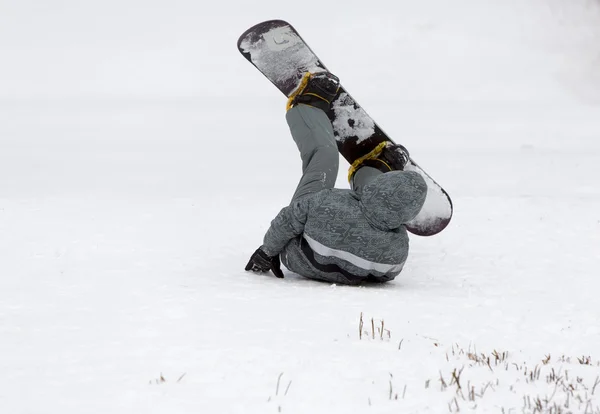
313, 134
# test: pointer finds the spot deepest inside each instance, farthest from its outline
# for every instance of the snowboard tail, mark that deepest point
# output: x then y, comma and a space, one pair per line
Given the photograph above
276, 49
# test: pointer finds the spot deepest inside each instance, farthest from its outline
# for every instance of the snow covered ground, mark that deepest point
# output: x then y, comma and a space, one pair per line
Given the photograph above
142, 159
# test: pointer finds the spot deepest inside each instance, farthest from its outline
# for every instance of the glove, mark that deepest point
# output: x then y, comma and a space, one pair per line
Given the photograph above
261, 262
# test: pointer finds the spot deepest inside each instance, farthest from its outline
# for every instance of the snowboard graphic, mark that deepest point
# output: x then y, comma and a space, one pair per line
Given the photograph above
276, 49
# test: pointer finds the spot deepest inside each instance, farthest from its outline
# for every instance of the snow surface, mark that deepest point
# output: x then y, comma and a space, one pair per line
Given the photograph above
142, 159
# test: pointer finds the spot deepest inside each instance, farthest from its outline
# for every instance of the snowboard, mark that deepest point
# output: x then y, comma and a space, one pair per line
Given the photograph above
276, 49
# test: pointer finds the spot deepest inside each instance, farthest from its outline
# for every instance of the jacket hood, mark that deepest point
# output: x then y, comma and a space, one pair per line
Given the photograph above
393, 198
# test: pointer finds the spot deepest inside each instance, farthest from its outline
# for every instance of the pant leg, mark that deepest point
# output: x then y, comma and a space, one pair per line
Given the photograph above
313, 134
364, 176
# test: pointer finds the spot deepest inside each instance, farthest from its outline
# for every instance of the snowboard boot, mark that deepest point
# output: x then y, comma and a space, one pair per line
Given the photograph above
316, 89
385, 157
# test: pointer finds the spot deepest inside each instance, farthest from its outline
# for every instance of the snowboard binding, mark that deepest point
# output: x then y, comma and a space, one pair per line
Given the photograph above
315, 89
385, 157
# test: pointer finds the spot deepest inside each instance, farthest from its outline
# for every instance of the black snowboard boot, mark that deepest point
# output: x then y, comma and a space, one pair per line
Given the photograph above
316, 89
395, 155
385, 157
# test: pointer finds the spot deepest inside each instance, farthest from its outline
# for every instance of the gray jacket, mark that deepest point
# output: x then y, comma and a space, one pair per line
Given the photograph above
342, 236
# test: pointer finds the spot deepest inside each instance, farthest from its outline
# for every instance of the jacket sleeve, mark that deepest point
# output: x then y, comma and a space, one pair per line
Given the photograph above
288, 224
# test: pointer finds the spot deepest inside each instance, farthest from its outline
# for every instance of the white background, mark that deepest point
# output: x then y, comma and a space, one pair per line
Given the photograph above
142, 159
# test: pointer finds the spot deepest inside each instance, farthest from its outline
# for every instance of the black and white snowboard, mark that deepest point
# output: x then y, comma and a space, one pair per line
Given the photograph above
276, 49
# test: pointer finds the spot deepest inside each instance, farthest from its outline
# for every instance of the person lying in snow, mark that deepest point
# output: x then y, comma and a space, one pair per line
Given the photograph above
335, 235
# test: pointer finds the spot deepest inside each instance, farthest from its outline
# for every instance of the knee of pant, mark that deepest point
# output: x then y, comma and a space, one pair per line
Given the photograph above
323, 154
326, 159
330, 152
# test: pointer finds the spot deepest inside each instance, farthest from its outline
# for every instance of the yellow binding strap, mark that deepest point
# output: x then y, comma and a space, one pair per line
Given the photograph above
371, 155
298, 90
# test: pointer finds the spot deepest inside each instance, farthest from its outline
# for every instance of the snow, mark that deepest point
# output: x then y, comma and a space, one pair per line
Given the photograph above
142, 159
266, 55
362, 127
434, 209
